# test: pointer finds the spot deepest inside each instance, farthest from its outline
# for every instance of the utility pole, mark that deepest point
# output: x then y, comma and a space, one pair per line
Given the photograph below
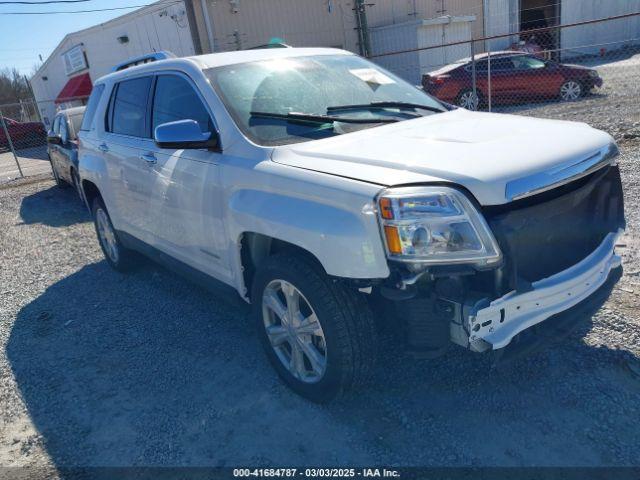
364, 41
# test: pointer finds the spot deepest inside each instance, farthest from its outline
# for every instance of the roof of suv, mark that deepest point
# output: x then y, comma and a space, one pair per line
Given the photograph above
228, 58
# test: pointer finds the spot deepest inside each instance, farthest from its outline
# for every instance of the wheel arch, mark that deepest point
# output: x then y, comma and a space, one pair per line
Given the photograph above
255, 248
343, 237
90, 192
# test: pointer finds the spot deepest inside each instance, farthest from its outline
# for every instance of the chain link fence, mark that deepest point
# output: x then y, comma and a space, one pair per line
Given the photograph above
553, 72
23, 141
586, 71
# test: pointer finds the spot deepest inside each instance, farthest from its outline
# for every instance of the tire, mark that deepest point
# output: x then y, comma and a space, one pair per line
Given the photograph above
466, 99
571, 90
116, 255
343, 342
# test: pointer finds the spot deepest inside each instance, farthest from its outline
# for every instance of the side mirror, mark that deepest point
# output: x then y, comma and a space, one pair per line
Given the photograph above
184, 134
54, 139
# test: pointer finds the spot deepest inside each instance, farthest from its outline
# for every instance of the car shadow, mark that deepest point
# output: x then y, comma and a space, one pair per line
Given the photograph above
147, 369
56, 207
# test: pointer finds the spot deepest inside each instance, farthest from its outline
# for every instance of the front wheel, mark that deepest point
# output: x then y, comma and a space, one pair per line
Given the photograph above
570, 91
318, 334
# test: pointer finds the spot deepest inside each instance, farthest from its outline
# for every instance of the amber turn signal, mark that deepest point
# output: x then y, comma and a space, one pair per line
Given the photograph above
386, 210
393, 239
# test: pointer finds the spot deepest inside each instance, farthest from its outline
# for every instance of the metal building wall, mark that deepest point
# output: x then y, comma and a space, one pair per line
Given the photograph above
590, 39
430, 35
301, 23
420, 34
393, 38
500, 17
385, 12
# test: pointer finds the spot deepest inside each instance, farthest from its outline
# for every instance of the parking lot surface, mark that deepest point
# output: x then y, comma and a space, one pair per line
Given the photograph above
99, 368
33, 161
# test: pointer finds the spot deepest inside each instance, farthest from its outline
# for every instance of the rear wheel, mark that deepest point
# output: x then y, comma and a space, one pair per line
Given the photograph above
570, 91
318, 334
118, 257
469, 99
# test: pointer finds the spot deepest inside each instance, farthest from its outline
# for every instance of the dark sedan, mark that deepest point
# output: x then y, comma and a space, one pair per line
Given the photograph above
514, 77
63, 146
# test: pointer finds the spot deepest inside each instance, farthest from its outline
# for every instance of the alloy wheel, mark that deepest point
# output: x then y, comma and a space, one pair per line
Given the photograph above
106, 235
469, 100
570, 91
294, 331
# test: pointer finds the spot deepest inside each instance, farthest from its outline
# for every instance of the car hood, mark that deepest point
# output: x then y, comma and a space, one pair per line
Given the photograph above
482, 152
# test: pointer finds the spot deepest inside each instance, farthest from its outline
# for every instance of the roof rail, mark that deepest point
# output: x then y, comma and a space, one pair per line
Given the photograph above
271, 45
142, 59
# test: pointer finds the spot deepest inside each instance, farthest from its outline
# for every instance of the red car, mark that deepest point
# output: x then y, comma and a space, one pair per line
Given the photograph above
22, 134
515, 76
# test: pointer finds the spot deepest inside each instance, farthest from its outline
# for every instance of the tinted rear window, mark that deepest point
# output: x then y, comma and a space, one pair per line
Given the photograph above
92, 105
129, 116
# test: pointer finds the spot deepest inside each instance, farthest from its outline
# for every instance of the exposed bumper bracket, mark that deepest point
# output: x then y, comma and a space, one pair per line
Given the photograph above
509, 315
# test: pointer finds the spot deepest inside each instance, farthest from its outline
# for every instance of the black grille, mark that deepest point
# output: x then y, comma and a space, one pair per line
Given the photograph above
548, 233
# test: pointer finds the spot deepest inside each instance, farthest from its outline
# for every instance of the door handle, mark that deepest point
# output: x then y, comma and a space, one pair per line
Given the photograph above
150, 158
103, 147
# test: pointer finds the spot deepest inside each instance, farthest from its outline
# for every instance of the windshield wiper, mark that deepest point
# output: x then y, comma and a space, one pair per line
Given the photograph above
389, 104
311, 118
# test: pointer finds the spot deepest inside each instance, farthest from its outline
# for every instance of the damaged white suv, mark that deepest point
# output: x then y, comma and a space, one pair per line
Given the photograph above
324, 189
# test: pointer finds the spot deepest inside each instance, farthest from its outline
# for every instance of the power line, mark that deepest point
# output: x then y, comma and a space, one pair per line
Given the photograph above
44, 2
54, 12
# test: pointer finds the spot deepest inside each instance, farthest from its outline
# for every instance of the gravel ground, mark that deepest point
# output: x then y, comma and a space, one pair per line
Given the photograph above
103, 369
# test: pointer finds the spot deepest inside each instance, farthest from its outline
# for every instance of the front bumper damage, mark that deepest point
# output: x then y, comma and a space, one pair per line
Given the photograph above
493, 326
559, 267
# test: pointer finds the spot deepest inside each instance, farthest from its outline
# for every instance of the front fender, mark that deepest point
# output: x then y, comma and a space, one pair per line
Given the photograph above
342, 233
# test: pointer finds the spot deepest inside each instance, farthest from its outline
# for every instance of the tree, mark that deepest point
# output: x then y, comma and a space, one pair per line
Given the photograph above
14, 86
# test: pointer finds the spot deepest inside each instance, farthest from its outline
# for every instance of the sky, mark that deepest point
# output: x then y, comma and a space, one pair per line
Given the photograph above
24, 37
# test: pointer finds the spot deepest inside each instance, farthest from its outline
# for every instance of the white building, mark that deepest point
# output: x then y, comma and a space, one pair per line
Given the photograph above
66, 77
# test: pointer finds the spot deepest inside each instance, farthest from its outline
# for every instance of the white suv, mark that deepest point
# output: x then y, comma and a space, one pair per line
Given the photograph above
324, 188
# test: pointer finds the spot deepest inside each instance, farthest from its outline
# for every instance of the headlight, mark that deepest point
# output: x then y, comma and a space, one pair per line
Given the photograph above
593, 73
434, 225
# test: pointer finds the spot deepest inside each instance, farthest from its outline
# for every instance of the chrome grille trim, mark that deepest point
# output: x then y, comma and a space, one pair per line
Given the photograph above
550, 179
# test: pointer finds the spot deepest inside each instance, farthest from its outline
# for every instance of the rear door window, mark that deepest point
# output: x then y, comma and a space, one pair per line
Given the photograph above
129, 108
92, 105
528, 63
175, 99
502, 64
481, 66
